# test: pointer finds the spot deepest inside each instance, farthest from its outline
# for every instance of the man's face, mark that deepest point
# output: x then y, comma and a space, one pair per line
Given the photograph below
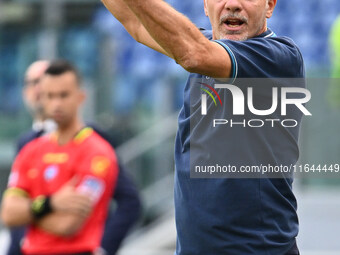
61, 97
238, 19
31, 91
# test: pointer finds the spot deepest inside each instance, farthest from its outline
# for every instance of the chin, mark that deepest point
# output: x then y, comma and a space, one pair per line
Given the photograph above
235, 37
60, 121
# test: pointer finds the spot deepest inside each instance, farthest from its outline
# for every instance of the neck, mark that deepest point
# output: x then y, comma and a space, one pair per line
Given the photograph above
66, 133
264, 29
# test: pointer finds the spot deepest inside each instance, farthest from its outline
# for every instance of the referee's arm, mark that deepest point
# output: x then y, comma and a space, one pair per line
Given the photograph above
62, 224
68, 210
15, 208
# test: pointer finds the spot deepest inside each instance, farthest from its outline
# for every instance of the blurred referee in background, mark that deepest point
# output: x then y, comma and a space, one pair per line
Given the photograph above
128, 204
61, 183
226, 215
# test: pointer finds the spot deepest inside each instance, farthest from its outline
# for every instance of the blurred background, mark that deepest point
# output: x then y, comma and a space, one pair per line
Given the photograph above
135, 94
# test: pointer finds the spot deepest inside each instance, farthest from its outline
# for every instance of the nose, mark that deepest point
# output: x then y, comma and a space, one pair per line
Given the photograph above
54, 103
233, 5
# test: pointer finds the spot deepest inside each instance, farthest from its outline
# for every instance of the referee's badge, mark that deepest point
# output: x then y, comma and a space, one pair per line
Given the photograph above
92, 186
51, 172
99, 165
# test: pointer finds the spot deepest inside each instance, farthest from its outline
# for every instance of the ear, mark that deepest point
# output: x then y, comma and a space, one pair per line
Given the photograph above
270, 8
205, 8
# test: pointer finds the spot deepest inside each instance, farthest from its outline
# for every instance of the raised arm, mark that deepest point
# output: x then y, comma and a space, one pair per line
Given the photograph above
132, 24
178, 36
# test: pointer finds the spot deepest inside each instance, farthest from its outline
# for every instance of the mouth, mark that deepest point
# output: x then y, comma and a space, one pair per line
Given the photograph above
57, 115
233, 23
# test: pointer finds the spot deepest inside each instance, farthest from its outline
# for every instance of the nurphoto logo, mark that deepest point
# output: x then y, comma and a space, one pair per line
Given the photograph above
239, 104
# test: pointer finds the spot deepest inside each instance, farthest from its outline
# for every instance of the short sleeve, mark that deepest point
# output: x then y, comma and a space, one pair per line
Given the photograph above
21, 168
264, 57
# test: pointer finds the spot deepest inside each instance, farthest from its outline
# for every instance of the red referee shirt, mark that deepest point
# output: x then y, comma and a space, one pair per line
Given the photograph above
43, 166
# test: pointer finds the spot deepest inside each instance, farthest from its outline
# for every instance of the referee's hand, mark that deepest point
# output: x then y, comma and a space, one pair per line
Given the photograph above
67, 199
